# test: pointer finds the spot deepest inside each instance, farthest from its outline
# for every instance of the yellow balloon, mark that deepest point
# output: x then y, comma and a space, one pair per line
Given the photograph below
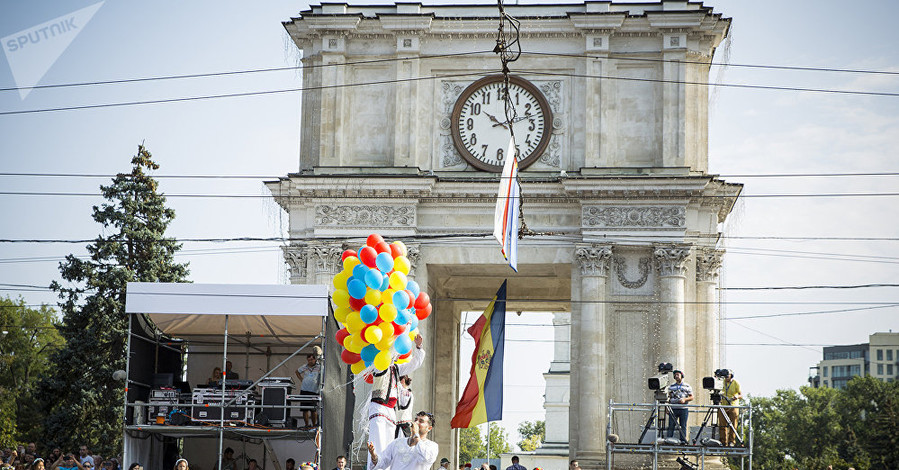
348, 342
354, 323
341, 313
358, 367
373, 297
356, 343
340, 280
382, 360
402, 361
388, 314
401, 264
349, 263
373, 334
398, 280
341, 298
386, 296
402, 247
386, 330
385, 344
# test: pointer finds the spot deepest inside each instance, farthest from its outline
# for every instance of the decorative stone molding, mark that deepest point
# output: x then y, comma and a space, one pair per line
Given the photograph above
553, 93
708, 263
634, 216
295, 256
413, 252
449, 93
363, 215
621, 268
593, 259
552, 156
672, 259
325, 258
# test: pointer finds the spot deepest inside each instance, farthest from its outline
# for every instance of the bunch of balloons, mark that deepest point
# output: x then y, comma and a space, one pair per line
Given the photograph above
378, 305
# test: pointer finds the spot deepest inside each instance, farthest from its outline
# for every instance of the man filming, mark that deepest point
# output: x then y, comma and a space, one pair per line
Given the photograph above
679, 393
730, 396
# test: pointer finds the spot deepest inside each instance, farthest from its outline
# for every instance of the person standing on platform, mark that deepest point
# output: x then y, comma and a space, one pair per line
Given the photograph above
679, 393
416, 452
404, 407
341, 463
384, 397
309, 377
229, 374
730, 396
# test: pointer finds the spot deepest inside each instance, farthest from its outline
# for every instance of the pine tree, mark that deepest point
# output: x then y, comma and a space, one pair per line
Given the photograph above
82, 402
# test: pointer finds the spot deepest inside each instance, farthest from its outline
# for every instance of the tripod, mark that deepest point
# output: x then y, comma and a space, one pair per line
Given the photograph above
661, 398
710, 415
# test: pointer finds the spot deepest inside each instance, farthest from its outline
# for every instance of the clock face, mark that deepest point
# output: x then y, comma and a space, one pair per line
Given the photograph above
481, 130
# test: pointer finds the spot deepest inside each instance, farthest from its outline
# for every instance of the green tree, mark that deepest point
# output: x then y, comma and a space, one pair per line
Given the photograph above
499, 440
82, 401
27, 340
869, 412
470, 444
533, 434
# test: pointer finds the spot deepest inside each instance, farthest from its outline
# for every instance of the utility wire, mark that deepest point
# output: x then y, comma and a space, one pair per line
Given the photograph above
413, 79
275, 177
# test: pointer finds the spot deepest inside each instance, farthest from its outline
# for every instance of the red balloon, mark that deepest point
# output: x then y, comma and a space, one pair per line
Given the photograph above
357, 304
382, 247
404, 356
343, 333
374, 239
350, 357
378, 321
423, 300
423, 313
395, 251
367, 256
398, 329
346, 254
369, 378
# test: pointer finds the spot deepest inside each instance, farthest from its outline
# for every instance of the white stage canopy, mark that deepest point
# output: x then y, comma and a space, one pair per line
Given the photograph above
278, 312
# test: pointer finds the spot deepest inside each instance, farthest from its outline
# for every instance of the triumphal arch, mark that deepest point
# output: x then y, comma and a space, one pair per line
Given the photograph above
623, 211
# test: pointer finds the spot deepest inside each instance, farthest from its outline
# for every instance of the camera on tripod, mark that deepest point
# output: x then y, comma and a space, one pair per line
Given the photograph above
715, 383
659, 383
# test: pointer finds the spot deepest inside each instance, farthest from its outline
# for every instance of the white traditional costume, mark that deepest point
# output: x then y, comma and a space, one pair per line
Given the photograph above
384, 397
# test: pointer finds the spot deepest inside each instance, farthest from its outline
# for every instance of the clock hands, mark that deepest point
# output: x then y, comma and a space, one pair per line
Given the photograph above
519, 118
494, 119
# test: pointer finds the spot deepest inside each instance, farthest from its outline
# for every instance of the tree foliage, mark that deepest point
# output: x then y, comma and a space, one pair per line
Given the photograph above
28, 338
816, 427
533, 434
83, 404
473, 446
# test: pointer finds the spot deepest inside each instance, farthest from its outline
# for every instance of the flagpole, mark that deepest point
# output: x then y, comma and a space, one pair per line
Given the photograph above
488, 444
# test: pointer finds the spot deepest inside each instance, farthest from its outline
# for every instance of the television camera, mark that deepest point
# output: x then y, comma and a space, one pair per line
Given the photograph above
659, 383
715, 384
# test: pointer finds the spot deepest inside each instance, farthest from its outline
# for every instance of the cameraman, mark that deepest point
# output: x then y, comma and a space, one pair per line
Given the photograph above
730, 396
679, 393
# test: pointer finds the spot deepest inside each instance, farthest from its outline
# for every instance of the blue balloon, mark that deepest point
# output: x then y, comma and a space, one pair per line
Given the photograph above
374, 279
386, 284
400, 300
368, 353
413, 322
401, 318
359, 271
368, 313
402, 345
413, 287
384, 262
356, 288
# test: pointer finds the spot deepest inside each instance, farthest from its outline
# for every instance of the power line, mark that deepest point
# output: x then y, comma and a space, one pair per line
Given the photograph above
242, 72
405, 196
433, 77
275, 177
858, 286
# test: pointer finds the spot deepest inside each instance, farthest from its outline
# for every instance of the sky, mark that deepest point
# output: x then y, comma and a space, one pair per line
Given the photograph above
837, 241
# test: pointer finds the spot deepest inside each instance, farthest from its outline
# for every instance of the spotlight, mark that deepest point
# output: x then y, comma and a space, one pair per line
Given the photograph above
686, 464
613, 438
119, 375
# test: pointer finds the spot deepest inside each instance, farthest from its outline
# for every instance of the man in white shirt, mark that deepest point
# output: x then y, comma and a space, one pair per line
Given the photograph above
416, 452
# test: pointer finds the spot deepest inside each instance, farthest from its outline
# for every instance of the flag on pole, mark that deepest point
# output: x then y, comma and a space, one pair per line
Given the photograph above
505, 219
482, 400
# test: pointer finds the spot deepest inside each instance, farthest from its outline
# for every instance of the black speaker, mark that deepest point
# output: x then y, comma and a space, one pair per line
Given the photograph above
277, 397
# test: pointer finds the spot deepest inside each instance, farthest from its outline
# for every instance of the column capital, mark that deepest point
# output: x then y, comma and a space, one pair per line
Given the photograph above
324, 258
413, 252
295, 255
708, 262
671, 259
593, 259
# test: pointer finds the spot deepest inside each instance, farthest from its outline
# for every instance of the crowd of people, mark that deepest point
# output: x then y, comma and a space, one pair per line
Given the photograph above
28, 457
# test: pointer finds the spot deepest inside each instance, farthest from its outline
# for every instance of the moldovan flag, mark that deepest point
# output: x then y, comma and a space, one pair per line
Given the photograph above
482, 399
505, 219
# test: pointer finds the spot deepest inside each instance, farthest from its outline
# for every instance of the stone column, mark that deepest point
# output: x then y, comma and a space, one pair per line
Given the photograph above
708, 262
295, 256
671, 262
590, 367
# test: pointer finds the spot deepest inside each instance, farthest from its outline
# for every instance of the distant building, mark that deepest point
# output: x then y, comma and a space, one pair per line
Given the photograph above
878, 358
